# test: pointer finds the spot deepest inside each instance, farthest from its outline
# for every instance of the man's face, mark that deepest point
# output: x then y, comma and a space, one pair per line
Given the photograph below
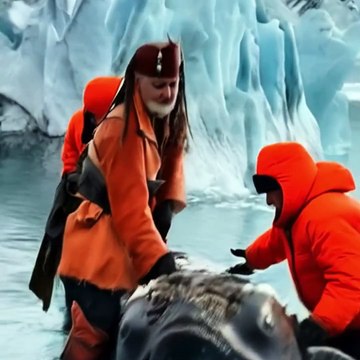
275, 198
158, 94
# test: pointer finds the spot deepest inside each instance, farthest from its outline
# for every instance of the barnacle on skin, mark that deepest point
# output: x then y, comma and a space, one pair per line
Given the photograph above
218, 297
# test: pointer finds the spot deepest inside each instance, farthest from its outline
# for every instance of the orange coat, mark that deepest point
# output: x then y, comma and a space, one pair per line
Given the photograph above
98, 96
115, 251
72, 147
322, 240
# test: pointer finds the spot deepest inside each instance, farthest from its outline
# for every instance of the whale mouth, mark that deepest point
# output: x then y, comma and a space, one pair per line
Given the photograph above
180, 344
171, 331
200, 316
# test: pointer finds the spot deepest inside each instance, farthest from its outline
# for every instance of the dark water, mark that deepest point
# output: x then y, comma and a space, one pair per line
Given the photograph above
27, 181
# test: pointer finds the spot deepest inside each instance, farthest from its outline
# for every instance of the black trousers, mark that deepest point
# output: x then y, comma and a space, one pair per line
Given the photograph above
101, 307
348, 342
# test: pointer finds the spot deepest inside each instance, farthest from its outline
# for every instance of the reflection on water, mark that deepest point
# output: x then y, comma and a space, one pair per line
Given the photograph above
27, 183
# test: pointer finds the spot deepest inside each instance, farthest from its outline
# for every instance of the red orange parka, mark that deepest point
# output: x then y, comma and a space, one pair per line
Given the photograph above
98, 95
318, 232
73, 146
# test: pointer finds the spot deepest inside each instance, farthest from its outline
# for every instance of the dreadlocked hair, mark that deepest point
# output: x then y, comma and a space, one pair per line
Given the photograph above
125, 95
178, 120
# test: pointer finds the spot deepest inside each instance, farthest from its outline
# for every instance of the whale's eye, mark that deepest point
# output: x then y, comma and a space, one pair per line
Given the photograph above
268, 323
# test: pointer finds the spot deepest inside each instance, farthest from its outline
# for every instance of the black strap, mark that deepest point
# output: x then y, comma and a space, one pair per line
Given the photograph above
92, 185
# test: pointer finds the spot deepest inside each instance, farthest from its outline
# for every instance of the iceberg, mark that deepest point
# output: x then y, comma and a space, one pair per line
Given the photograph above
324, 79
249, 76
45, 74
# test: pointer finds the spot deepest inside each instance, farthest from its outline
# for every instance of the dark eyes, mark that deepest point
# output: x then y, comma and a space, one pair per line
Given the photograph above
162, 85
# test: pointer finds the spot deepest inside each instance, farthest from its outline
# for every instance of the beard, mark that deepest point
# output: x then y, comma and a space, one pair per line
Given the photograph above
160, 110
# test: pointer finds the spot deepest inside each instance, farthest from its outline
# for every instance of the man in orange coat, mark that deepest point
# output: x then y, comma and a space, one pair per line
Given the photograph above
317, 229
97, 99
134, 165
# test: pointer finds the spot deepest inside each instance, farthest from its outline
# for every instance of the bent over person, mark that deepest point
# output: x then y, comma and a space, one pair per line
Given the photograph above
134, 168
317, 230
97, 98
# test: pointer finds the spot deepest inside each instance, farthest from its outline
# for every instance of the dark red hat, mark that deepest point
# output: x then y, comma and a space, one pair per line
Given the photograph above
158, 60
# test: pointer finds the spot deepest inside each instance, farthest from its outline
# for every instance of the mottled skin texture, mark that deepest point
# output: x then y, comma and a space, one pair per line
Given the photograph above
197, 315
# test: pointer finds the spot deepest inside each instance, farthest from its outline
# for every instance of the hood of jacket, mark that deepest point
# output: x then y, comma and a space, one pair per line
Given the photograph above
301, 178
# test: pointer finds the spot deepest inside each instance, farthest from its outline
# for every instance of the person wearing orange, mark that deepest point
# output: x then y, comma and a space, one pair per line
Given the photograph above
73, 145
134, 167
317, 230
98, 95
97, 99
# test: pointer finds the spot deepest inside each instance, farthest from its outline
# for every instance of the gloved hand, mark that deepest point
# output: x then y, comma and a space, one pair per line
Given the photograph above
240, 269
72, 183
162, 216
164, 266
310, 333
239, 253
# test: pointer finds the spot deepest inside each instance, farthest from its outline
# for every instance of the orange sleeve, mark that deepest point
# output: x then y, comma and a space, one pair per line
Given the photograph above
336, 248
72, 146
173, 173
123, 166
266, 250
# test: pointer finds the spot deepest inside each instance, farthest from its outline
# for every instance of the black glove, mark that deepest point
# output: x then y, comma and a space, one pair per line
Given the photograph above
72, 183
164, 266
310, 333
240, 269
239, 253
162, 216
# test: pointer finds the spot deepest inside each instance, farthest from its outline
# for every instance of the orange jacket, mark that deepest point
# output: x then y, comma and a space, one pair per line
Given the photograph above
72, 147
98, 96
115, 251
322, 240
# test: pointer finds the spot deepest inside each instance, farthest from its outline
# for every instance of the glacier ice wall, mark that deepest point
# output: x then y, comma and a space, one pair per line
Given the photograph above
329, 58
243, 80
59, 52
244, 73
324, 79
343, 12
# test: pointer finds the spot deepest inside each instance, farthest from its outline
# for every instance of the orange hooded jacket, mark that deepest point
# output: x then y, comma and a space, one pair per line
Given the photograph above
72, 147
318, 232
98, 96
115, 251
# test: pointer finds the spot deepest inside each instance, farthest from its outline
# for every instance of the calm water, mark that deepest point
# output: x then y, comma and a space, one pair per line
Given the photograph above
27, 181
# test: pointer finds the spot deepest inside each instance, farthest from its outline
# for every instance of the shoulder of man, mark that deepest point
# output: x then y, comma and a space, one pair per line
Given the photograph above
326, 207
112, 126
